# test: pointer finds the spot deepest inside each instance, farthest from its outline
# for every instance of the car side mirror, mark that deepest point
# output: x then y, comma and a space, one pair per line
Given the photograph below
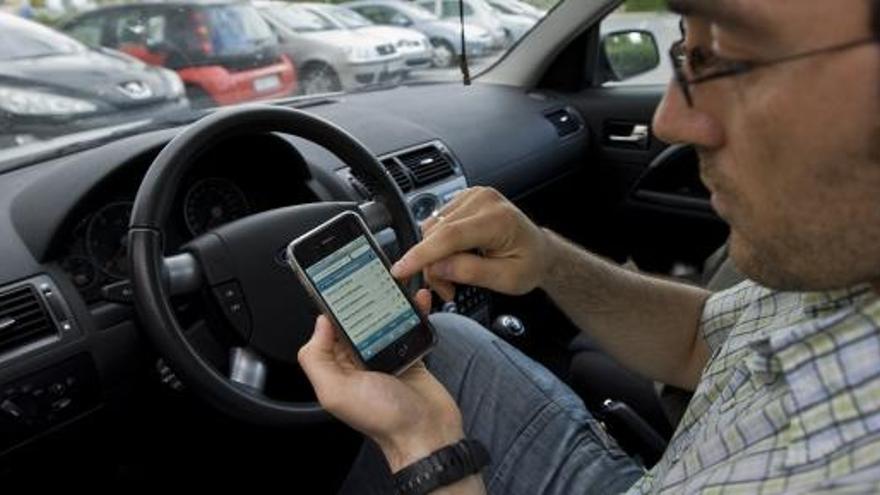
627, 54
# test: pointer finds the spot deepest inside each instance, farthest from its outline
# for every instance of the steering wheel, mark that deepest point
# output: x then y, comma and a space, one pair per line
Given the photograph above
242, 263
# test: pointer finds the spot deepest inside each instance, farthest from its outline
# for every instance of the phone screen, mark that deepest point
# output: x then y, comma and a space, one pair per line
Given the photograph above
364, 298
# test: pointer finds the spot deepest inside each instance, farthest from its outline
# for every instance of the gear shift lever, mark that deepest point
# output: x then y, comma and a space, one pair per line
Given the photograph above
509, 327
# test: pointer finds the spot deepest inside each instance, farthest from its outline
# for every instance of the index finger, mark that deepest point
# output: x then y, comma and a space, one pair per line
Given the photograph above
448, 239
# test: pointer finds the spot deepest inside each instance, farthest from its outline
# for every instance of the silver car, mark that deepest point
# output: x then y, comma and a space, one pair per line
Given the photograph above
445, 35
475, 12
413, 46
328, 58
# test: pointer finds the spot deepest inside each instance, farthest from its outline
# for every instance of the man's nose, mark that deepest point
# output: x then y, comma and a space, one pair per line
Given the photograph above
675, 122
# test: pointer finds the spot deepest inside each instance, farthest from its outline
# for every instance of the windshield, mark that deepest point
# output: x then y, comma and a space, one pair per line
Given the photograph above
235, 29
70, 67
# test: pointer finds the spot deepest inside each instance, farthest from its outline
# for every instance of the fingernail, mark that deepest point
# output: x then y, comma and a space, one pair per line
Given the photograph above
397, 268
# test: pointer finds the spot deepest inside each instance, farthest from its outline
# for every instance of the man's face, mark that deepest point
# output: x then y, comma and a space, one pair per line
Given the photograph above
791, 152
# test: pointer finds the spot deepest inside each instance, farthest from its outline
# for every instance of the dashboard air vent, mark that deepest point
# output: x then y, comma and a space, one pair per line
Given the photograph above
565, 122
427, 165
23, 318
398, 174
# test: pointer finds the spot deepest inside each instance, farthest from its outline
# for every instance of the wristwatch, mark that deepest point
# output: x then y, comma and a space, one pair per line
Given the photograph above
442, 468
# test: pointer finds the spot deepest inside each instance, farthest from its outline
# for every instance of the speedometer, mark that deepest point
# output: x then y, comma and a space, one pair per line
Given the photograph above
211, 203
107, 239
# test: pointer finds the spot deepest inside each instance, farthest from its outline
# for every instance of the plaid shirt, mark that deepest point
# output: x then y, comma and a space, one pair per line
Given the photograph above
789, 402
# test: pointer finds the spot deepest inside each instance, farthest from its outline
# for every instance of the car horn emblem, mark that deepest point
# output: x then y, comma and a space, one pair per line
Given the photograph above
136, 90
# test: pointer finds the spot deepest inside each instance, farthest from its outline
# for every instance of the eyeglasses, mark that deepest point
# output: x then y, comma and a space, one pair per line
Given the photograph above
697, 67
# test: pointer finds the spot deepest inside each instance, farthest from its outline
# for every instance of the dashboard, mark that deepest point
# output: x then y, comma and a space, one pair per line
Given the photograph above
63, 222
218, 191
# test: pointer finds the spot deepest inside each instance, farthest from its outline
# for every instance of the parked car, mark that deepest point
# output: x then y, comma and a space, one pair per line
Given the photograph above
413, 46
223, 50
516, 25
50, 84
475, 12
445, 35
330, 58
518, 7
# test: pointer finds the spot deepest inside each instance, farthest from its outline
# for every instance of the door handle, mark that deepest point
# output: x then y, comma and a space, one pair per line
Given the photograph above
638, 137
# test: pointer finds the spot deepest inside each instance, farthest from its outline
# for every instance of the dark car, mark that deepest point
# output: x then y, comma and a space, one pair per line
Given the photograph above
224, 51
50, 83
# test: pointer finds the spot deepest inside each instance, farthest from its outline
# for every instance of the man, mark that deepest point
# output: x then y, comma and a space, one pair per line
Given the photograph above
781, 99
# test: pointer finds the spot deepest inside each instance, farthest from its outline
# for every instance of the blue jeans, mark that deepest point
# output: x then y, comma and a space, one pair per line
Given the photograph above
540, 437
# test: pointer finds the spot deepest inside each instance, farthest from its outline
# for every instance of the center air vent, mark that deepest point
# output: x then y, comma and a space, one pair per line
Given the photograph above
23, 318
412, 169
565, 122
398, 174
427, 165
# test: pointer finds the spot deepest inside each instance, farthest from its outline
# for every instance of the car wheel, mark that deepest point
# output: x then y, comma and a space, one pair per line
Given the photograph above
444, 55
319, 78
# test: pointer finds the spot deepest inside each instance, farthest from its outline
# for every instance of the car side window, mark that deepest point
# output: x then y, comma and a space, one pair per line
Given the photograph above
633, 49
88, 30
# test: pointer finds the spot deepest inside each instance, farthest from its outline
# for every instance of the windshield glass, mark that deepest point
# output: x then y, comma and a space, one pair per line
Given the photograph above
68, 67
235, 29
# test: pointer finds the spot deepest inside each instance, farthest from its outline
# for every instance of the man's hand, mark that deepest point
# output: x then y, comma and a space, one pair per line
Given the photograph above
513, 252
408, 416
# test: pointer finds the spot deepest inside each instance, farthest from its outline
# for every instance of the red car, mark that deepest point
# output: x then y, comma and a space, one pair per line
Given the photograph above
223, 50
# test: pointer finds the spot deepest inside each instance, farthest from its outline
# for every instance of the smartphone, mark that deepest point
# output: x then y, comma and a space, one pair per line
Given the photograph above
344, 270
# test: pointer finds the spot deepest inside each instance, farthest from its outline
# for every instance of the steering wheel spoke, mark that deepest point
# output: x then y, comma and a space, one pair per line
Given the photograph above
182, 274
247, 369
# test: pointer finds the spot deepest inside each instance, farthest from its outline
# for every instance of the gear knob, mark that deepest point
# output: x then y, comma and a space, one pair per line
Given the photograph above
509, 327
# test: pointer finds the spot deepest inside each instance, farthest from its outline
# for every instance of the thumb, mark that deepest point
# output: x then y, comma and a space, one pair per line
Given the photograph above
318, 358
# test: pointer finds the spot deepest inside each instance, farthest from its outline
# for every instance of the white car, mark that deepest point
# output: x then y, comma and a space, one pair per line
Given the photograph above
327, 58
517, 25
475, 12
413, 46
518, 7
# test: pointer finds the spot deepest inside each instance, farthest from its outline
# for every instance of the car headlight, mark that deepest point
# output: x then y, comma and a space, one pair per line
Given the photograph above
360, 53
175, 84
32, 103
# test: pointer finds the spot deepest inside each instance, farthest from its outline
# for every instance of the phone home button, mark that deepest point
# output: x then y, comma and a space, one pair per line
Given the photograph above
401, 351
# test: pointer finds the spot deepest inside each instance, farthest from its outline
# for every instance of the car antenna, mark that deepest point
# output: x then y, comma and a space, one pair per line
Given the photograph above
463, 61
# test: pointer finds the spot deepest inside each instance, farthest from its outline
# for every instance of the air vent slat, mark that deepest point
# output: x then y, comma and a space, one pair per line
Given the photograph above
23, 307
16, 300
427, 165
24, 318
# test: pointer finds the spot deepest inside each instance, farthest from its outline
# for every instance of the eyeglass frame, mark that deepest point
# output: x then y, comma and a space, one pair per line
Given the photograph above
679, 58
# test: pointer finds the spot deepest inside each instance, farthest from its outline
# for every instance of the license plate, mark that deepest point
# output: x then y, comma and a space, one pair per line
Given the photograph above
267, 83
